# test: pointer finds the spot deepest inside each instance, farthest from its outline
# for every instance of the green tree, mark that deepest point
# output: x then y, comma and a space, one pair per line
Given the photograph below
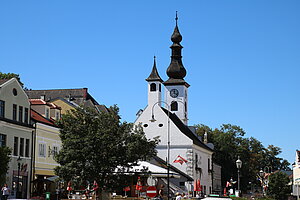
4, 160
95, 144
278, 186
11, 75
230, 142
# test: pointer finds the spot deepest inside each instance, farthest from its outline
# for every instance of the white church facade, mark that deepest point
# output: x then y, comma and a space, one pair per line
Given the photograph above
168, 119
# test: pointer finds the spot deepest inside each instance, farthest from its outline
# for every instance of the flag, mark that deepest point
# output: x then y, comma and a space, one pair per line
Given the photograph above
197, 185
138, 184
180, 160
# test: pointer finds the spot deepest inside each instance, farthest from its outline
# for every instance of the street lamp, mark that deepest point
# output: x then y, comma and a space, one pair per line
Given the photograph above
18, 179
168, 143
264, 175
238, 166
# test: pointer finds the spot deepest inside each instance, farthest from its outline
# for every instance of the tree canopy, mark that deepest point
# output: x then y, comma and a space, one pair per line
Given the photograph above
4, 161
230, 142
95, 144
278, 186
11, 75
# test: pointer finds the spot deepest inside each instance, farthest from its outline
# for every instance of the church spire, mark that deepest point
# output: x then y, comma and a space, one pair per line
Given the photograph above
176, 70
154, 76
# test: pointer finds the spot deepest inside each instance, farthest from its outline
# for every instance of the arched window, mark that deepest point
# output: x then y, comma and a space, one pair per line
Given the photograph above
153, 87
174, 106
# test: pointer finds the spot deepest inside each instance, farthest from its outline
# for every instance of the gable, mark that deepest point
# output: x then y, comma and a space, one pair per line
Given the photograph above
63, 104
11, 93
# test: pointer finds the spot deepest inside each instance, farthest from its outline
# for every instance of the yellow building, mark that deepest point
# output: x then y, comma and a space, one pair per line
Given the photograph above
47, 144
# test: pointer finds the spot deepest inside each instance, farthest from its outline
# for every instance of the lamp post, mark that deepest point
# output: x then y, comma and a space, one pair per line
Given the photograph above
265, 181
168, 143
238, 166
18, 179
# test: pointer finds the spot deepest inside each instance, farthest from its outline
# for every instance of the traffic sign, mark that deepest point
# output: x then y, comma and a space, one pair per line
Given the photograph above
151, 181
151, 191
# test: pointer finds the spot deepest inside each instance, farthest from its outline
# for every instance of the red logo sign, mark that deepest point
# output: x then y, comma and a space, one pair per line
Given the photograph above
151, 191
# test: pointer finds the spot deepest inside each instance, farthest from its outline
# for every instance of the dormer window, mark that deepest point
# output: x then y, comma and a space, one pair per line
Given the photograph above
47, 113
57, 116
152, 87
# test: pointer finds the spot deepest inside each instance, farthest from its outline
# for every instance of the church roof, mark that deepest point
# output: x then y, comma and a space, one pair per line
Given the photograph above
154, 76
186, 130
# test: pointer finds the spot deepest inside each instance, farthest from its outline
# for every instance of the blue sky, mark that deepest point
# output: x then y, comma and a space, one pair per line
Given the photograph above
242, 57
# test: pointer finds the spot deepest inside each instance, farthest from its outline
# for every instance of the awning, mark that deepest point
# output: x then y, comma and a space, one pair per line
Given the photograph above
148, 168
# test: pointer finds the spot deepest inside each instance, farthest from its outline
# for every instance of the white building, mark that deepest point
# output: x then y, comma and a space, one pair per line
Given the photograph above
169, 121
296, 175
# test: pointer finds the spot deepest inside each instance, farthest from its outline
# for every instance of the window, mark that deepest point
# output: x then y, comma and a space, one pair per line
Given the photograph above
159, 87
2, 140
208, 162
21, 153
57, 117
2, 108
27, 148
153, 87
174, 106
42, 150
47, 113
20, 113
16, 145
14, 112
26, 116
55, 150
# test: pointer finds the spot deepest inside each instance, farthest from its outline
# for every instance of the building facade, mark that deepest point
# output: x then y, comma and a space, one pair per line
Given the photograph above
16, 133
296, 175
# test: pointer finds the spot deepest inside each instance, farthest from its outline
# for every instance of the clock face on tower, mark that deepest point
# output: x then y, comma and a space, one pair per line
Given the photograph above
174, 93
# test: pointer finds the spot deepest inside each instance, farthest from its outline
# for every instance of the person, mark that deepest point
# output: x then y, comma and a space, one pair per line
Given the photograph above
183, 196
161, 192
178, 196
5, 191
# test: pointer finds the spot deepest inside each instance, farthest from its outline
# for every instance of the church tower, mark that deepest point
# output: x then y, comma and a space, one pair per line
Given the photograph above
176, 89
154, 86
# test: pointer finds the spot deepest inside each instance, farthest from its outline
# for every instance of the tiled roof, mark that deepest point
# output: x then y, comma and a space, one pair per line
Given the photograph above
39, 118
186, 130
37, 102
3, 81
42, 102
79, 96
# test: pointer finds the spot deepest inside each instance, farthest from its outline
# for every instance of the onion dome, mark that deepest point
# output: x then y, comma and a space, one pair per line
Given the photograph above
176, 70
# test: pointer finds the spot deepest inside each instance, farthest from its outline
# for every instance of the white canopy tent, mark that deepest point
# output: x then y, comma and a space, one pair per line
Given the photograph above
146, 167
